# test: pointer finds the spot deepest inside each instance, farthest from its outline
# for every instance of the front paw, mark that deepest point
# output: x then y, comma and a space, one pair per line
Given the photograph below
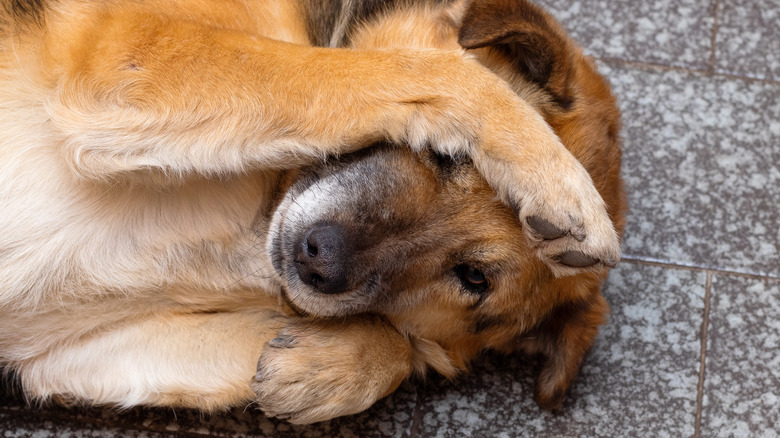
564, 217
568, 225
314, 371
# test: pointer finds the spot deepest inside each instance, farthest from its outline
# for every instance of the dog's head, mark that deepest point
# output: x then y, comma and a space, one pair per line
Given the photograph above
422, 239
386, 228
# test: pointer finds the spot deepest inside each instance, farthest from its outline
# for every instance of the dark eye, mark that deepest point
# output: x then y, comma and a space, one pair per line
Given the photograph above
472, 279
444, 162
447, 166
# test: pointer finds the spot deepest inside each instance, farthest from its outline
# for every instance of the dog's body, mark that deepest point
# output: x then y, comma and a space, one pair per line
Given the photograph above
161, 221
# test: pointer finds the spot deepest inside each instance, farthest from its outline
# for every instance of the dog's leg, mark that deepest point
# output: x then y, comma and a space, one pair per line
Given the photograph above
314, 370
532, 44
200, 360
308, 372
139, 92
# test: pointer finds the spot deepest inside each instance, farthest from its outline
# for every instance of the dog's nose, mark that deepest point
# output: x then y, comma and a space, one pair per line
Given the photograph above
320, 258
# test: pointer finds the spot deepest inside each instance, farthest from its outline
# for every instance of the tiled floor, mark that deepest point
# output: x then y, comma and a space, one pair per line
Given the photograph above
693, 344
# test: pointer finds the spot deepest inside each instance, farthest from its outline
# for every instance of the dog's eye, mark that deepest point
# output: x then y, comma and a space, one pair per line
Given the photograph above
443, 161
447, 165
472, 279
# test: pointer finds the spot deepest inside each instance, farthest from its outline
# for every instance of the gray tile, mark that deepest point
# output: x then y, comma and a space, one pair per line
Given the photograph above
669, 32
701, 158
640, 379
390, 417
748, 41
742, 385
22, 424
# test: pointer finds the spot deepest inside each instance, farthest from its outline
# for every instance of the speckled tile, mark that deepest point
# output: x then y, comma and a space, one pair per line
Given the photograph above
390, 417
640, 379
748, 41
669, 32
24, 424
701, 158
742, 385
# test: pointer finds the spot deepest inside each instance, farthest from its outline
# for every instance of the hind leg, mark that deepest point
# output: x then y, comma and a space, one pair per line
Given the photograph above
309, 371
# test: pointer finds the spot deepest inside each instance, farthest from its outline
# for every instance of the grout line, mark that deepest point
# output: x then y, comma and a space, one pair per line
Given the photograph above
414, 429
714, 39
703, 358
700, 268
707, 72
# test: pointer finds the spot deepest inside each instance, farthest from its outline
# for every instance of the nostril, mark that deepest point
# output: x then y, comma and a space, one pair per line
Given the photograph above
316, 279
324, 241
311, 249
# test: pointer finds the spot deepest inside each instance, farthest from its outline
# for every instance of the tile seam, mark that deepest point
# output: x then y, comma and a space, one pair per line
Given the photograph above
414, 428
707, 72
693, 267
703, 356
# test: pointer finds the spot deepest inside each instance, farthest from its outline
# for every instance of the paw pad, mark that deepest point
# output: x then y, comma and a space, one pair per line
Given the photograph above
544, 228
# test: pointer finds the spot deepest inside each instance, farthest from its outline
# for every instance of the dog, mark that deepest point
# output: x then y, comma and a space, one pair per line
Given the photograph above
296, 203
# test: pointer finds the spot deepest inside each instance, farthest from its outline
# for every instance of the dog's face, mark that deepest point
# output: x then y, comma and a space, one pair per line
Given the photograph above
387, 228
419, 238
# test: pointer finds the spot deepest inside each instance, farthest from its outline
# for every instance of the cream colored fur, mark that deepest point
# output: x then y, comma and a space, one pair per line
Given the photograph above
140, 147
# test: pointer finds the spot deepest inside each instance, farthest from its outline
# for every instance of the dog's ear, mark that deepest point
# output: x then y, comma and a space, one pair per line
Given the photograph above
528, 37
564, 338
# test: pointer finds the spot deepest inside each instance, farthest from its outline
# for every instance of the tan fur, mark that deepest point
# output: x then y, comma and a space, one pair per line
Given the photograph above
144, 147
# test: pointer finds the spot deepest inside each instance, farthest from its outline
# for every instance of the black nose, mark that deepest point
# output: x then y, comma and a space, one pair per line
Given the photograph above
321, 258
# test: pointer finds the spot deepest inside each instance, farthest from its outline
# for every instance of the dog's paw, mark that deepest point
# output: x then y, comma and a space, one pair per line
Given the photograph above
570, 228
563, 215
315, 371
524, 161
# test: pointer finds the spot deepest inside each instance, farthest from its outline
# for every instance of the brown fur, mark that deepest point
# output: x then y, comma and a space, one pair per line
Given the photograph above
152, 150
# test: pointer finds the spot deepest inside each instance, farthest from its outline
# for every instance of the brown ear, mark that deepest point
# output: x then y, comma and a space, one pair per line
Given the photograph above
528, 37
564, 338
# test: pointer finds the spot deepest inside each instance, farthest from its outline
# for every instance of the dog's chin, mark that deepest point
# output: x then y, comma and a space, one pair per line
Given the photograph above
277, 237
309, 301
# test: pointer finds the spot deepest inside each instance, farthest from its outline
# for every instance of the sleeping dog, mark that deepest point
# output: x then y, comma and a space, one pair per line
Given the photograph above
347, 190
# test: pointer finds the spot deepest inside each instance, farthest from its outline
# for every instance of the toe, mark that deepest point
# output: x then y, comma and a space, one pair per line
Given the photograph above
544, 228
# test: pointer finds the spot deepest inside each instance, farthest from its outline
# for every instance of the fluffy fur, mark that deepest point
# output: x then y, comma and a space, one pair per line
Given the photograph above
153, 156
